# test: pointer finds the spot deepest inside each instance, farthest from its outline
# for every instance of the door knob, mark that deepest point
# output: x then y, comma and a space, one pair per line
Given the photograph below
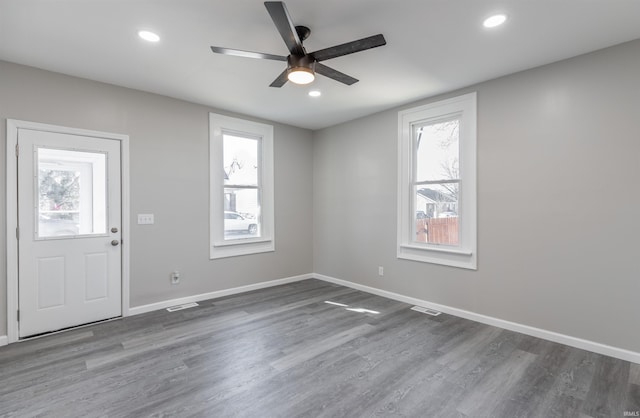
115, 242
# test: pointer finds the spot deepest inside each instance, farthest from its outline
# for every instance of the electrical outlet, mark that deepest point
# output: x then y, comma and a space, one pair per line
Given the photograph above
380, 271
175, 277
145, 219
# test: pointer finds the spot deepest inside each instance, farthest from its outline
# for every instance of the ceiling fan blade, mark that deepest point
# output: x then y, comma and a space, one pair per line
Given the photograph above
349, 48
335, 74
280, 81
247, 54
285, 26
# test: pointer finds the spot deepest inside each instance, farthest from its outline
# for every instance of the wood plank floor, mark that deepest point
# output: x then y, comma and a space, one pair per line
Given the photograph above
285, 352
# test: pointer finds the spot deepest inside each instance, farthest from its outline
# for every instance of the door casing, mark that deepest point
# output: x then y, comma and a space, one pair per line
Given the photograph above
13, 126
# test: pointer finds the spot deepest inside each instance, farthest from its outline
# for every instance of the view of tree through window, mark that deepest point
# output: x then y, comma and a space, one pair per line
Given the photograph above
59, 190
59, 202
436, 182
242, 187
71, 193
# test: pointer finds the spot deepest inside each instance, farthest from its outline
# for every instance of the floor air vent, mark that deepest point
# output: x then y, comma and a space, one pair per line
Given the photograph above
181, 307
426, 310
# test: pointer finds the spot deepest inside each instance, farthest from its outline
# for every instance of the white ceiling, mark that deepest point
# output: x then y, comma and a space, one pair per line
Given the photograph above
433, 46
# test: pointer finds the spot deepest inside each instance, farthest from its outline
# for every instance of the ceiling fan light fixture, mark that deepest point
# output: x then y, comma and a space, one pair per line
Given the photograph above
300, 69
301, 75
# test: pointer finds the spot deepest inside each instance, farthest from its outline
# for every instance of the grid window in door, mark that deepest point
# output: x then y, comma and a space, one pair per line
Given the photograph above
71, 193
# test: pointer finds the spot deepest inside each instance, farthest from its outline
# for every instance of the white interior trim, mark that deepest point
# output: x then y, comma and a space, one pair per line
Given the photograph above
217, 294
3, 340
219, 125
11, 203
583, 344
12, 212
125, 202
464, 255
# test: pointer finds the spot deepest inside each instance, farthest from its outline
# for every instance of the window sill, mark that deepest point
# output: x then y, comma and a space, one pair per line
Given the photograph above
242, 248
240, 241
438, 249
443, 256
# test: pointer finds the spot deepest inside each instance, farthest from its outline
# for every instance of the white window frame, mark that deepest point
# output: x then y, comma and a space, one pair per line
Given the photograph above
465, 254
219, 247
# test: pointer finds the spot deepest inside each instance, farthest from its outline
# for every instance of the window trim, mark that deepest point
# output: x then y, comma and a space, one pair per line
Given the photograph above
464, 255
218, 246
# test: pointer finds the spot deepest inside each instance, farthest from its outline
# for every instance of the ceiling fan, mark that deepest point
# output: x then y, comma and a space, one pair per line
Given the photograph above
301, 65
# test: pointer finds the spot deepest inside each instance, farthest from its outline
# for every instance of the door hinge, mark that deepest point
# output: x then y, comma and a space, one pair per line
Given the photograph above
18, 315
18, 232
17, 150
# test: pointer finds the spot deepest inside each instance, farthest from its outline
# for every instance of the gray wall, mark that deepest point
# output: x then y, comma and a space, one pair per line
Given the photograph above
558, 171
169, 177
558, 202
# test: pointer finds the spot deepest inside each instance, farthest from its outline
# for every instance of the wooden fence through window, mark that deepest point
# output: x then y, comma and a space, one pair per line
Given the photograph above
437, 230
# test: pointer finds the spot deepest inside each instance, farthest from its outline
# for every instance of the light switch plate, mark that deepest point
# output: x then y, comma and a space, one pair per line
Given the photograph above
145, 219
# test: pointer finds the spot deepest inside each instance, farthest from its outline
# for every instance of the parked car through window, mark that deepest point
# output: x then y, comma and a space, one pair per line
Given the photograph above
234, 223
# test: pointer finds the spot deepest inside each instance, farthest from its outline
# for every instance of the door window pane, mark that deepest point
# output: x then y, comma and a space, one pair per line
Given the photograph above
71, 193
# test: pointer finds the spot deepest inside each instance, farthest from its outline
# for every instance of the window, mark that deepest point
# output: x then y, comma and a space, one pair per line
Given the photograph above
71, 193
241, 173
437, 182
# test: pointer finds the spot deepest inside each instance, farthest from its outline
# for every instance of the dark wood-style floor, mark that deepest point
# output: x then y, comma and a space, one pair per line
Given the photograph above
285, 352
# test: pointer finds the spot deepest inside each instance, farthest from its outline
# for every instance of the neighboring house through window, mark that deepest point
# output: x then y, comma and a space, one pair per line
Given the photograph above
241, 174
437, 182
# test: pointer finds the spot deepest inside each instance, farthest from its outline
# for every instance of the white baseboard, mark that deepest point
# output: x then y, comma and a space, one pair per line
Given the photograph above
137, 310
595, 347
3, 340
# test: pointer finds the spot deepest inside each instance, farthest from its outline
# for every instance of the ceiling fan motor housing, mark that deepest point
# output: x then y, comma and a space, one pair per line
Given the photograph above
303, 32
301, 62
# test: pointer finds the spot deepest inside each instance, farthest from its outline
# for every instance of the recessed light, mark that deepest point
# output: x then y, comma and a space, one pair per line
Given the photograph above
148, 36
493, 21
315, 93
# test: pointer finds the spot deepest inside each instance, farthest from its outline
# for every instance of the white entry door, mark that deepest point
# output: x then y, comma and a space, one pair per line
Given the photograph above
69, 219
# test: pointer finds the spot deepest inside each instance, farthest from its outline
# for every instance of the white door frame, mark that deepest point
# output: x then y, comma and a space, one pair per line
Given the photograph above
13, 126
